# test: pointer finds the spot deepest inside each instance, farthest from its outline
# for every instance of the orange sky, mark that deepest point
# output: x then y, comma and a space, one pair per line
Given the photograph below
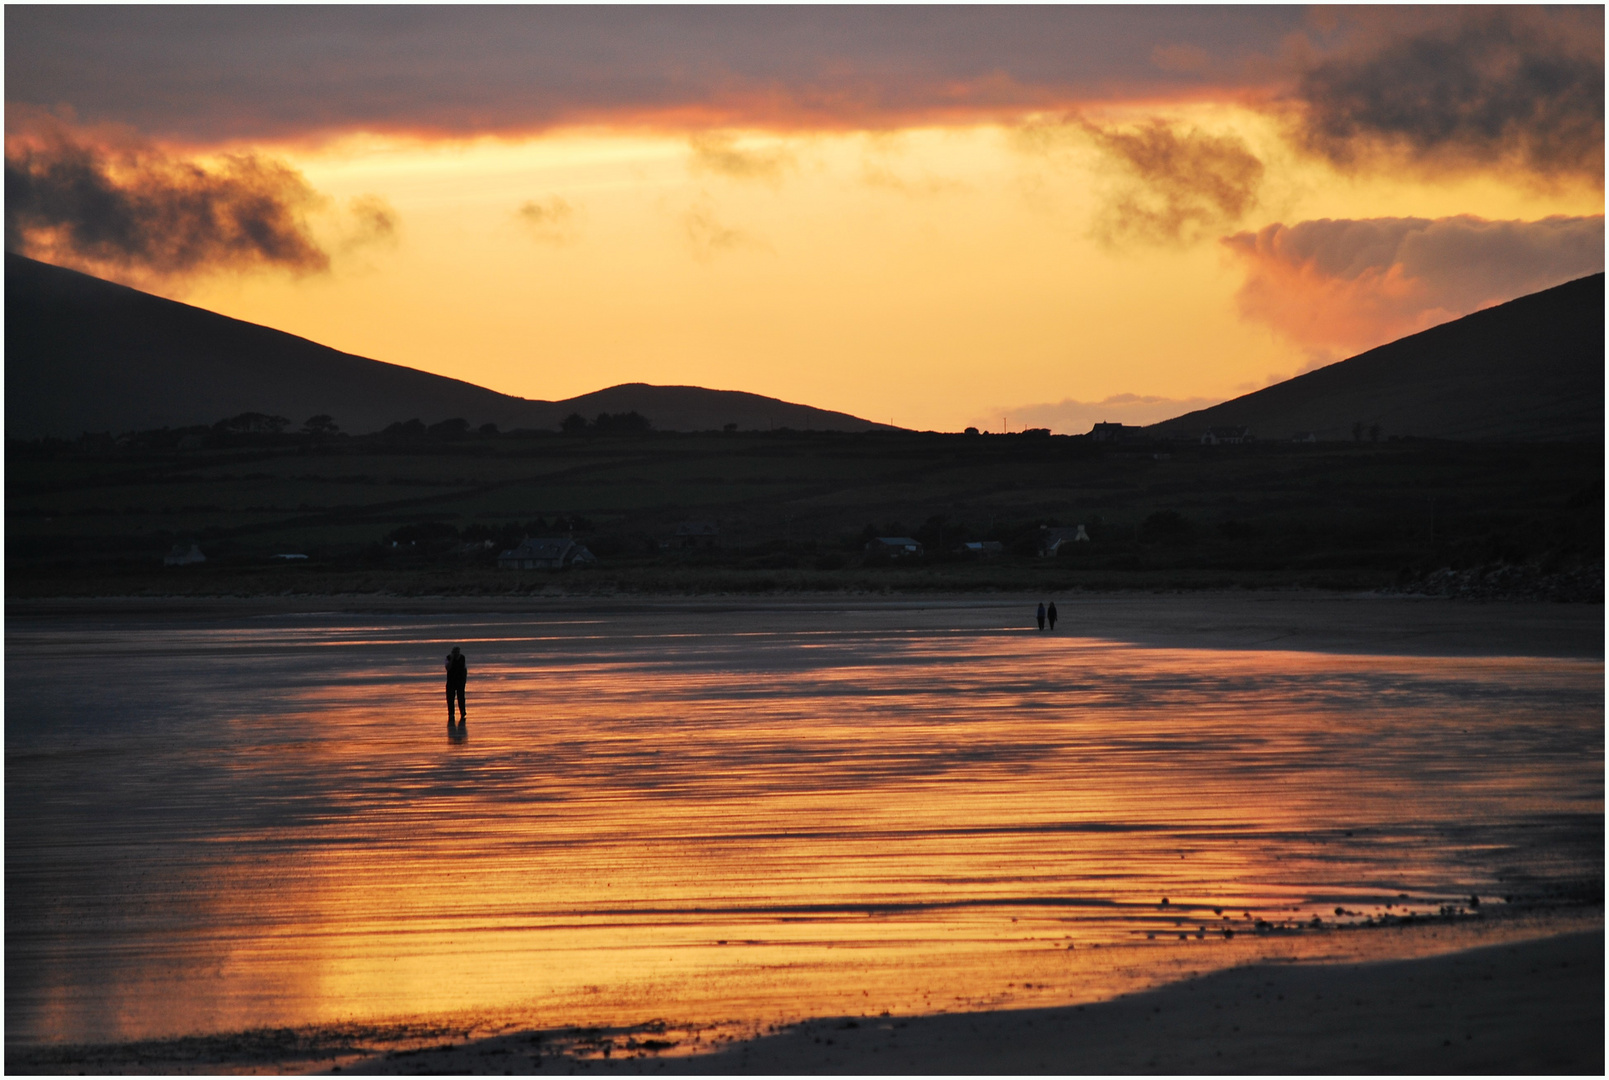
1120, 255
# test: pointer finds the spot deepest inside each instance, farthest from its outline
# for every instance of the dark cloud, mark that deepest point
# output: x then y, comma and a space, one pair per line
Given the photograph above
130, 208
370, 220
1337, 287
1460, 86
708, 236
1167, 182
215, 73
1184, 182
718, 152
550, 220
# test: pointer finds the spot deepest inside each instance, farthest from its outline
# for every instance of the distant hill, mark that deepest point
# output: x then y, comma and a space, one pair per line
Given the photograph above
84, 354
1530, 370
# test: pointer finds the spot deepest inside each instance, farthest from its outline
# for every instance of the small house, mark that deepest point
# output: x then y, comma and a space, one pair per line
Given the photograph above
1305, 436
1226, 436
982, 549
1051, 540
1111, 433
183, 555
895, 547
696, 534
552, 554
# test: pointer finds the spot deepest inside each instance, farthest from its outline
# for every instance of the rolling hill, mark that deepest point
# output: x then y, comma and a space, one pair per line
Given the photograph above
84, 354
1530, 370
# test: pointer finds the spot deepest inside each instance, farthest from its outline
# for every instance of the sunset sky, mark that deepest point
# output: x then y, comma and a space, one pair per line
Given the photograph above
930, 216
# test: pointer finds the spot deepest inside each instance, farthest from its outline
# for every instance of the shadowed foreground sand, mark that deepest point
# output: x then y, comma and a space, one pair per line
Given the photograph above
1536, 1007
1532, 1007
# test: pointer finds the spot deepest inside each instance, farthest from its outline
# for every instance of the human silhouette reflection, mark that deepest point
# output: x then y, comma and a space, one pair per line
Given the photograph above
459, 732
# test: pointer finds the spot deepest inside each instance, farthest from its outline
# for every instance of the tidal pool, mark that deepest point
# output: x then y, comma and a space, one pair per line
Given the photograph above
738, 813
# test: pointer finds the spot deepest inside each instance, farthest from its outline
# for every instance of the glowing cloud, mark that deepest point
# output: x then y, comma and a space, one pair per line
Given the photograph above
1350, 285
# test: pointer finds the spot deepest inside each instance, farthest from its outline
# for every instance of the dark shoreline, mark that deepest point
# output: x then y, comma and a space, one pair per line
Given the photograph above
1302, 620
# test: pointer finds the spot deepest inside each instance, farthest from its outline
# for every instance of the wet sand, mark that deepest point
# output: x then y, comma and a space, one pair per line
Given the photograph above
1244, 619
1533, 1007
738, 814
1536, 1007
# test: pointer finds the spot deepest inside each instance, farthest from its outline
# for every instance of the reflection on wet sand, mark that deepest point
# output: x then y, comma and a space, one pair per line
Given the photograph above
702, 818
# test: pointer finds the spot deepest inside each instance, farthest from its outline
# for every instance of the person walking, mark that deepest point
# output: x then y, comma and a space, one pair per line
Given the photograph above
1050, 614
1040, 615
457, 678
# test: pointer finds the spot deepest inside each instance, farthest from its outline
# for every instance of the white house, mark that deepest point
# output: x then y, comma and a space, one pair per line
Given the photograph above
1051, 540
895, 547
697, 534
1226, 436
183, 555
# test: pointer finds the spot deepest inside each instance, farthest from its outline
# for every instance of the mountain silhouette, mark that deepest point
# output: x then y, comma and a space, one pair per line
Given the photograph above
1530, 370
83, 354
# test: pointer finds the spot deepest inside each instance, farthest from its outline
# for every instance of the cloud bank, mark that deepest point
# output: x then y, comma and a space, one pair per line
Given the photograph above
214, 74
1338, 287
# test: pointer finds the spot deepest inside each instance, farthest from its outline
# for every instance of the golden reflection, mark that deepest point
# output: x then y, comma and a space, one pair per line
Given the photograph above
758, 826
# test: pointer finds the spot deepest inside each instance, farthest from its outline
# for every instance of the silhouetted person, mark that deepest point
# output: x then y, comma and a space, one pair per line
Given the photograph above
457, 677
1040, 615
1050, 614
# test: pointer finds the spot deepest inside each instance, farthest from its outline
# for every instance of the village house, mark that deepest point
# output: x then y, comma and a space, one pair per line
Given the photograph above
1226, 436
695, 534
982, 549
1051, 540
184, 555
1105, 432
545, 555
1305, 436
895, 547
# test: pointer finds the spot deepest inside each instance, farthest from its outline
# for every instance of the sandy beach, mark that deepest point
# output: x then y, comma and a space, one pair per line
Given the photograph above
1530, 1007
1536, 1007
842, 834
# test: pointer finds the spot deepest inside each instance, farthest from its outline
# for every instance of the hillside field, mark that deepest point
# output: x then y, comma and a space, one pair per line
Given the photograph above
413, 514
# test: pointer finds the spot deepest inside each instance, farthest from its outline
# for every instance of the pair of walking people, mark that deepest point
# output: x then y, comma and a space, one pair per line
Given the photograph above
1045, 615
